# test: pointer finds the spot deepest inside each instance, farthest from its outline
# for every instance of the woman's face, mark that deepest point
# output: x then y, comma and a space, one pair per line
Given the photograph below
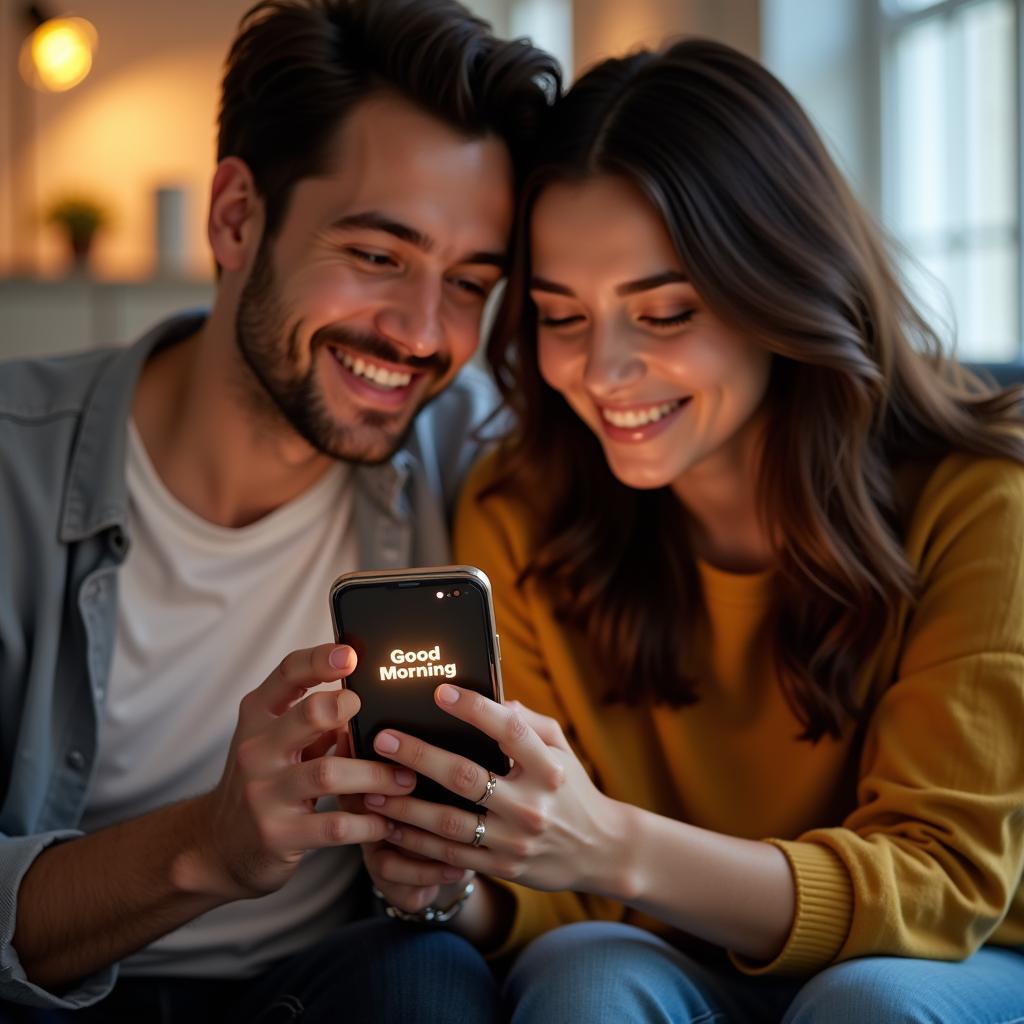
669, 389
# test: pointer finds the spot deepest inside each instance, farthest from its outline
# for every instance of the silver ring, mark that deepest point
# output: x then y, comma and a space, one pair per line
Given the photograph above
480, 831
492, 785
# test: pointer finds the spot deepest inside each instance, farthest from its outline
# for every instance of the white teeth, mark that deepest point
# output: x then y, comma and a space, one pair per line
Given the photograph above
640, 417
381, 377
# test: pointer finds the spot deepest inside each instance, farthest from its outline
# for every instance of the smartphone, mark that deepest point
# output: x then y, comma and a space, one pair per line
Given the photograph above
412, 630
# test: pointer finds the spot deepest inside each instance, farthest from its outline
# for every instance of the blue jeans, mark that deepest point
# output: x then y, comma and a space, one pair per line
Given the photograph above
370, 972
601, 973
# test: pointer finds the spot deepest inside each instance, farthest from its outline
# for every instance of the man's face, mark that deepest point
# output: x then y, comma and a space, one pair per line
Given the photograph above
368, 300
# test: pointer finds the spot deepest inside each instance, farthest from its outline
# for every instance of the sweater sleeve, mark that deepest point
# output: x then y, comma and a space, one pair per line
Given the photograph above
490, 535
930, 860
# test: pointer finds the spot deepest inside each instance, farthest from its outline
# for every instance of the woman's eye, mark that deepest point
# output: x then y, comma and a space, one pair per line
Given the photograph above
676, 320
558, 321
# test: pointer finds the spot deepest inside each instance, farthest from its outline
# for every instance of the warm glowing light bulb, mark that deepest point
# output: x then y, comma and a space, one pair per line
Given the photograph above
58, 55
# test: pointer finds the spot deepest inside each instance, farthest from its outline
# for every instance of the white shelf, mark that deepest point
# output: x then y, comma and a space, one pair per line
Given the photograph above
39, 317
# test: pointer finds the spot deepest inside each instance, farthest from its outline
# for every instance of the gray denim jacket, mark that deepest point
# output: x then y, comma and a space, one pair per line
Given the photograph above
63, 515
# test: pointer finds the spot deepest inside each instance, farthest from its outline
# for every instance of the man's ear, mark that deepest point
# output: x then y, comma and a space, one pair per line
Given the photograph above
235, 225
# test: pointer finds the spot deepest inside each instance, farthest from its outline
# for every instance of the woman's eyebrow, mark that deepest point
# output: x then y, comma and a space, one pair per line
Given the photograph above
643, 284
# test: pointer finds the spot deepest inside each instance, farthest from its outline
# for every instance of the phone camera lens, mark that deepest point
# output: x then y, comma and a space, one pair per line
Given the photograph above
455, 593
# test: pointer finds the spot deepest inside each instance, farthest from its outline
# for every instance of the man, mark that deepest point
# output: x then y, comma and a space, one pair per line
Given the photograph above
171, 517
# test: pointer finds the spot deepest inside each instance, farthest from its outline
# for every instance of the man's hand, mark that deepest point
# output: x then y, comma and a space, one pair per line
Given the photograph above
261, 818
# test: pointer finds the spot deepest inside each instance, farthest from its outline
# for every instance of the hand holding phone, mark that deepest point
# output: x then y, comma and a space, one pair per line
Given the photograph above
413, 629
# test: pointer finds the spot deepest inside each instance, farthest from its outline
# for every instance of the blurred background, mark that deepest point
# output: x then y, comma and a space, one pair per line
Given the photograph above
108, 115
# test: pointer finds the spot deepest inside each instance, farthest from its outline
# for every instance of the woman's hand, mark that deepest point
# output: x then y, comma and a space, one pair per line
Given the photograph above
546, 824
411, 883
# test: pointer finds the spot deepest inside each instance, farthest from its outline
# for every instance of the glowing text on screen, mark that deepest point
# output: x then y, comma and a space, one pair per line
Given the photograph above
417, 665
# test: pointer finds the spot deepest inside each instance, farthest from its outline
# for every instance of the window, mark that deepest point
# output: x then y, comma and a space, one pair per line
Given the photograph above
952, 165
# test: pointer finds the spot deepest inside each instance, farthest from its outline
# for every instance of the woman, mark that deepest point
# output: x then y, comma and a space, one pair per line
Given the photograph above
757, 559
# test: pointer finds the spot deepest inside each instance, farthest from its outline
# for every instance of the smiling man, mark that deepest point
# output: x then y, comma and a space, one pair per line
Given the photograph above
171, 516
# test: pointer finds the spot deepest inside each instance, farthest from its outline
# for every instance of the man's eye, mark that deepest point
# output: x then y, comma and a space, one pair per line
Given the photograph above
374, 259
472, 287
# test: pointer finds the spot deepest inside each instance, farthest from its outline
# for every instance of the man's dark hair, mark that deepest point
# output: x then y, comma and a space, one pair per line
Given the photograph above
298, 66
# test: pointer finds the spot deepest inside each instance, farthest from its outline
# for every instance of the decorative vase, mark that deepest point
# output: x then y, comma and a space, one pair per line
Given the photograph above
81, 247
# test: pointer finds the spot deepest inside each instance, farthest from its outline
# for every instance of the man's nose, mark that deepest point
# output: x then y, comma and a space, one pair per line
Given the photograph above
412, 318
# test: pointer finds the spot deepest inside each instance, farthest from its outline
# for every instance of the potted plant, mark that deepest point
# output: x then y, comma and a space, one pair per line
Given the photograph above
80, 219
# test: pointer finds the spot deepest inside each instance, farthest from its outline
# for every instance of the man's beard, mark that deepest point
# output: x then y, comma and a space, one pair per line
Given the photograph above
260, 325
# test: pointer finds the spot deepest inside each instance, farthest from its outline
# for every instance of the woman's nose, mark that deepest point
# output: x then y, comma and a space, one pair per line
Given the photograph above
613, 362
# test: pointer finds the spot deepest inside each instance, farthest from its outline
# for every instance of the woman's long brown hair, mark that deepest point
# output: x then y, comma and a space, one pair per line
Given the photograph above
775, 243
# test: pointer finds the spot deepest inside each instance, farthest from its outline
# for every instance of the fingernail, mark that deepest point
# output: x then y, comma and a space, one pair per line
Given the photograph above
447, 694
451, 874
340, 657
386, 743
374, 799
404, 777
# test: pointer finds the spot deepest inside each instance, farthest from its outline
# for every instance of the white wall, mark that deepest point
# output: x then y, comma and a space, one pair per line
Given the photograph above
145, 117
604, 28
827, 54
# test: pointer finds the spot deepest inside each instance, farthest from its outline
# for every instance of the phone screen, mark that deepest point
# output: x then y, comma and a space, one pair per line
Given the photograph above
411, 636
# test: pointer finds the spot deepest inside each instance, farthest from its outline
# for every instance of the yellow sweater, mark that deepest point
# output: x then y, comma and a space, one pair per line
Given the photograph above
906, 838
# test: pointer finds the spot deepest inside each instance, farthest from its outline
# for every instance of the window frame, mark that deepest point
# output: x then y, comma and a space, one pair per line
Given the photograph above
892, 21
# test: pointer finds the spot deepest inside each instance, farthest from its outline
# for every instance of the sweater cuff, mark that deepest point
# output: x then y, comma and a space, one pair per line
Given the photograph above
535, 913
824, 911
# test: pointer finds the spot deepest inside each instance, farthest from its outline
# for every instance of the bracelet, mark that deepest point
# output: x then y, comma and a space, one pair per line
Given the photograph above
428, 915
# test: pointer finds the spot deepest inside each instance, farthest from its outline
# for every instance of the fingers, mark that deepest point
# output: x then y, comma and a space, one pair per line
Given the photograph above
508, 726
338, 776
547, 728
334, 828
456, 773
321, 746
457, 855
390, 865
297, 672
303, 724
444, 821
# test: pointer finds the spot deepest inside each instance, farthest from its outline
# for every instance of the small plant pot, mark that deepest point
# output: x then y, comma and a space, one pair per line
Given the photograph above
81, 247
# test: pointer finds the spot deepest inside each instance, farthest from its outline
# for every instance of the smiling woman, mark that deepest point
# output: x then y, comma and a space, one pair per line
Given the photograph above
757, 559
661, 380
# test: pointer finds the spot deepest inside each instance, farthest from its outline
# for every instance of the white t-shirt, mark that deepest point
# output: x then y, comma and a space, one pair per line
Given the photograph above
205, 614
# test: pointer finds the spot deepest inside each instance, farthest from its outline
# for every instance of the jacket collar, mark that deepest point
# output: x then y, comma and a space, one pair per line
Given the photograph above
97, 492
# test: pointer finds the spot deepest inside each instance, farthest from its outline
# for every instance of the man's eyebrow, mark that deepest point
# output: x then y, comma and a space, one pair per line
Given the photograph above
492, 258
644, 284
373, 220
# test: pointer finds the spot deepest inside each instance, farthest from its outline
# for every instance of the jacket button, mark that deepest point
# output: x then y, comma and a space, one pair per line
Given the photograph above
75, 760
118, 541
